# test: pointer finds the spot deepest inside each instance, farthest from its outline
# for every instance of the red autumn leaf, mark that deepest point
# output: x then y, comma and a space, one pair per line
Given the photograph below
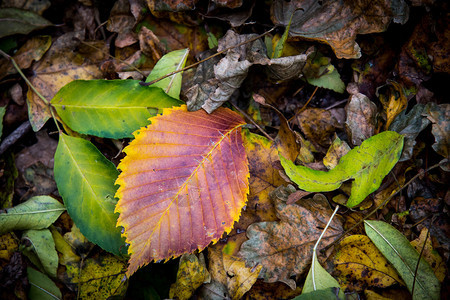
183, 184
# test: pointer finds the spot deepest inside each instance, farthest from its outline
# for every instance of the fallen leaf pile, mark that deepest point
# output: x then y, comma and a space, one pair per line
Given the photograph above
224, 149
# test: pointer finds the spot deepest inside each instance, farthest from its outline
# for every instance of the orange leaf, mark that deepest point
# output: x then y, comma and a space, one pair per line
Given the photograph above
184, 182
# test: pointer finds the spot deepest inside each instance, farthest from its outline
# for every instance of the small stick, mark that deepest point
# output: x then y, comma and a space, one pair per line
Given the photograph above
252, 121
304, 106
14, 136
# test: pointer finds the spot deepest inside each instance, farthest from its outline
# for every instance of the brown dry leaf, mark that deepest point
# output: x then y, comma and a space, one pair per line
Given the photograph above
230, 277
286, 140
361, 116
284, 248
192, 273
392, 97
318, 125
430, 255
37, 6
338, 22
236, 12
359, 264
230, 71
264, 178
439, 115
32, 50
59, 66
171, 5
337, 149
150, 44
122, 22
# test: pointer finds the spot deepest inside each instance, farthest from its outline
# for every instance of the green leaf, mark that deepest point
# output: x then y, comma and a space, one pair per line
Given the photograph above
37, 213
212, 40
2, 113
41, 287
170, 62
367, 164
280, 45
399, 252
40, 249
85, 180
109, 108
14, 20
319, 279
325, 294
330, 80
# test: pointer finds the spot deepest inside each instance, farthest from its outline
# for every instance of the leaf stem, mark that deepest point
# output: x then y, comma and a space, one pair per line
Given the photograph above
208, 58
442, 162
418, 262
252, 121
31, 86
317, 244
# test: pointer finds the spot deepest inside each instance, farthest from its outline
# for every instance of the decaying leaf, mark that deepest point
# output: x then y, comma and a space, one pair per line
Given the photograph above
367, 164
337, 149
338, 22
439, 115
359, 265
98, 277
318, 125
229, 73
430, 254
284, 248
410, 125
398, 251
192, 273
32, 50
59, 66
183, 184
393, 98
230, 277
361, 116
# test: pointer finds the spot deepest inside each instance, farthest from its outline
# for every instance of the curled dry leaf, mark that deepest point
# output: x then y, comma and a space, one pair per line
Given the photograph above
183, 184
361, 116
284, 248
338, 22
393, 98
439, 115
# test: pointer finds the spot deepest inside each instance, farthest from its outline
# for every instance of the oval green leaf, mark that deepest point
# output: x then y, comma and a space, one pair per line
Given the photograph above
367, 164
399, 252
85, 180
42, 251
170, 62
42, 287
109, 108
36, 213
14, 20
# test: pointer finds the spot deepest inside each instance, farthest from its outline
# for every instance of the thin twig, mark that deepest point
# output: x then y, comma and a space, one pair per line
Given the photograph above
386, 201
14, 136
208, 58
253, 122
304, 106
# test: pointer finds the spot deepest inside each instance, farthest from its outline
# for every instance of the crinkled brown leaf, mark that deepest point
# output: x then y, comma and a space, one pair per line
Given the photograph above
392, 97
230, 71
361, 116
338, 22
284, 248
439, 115
59, 66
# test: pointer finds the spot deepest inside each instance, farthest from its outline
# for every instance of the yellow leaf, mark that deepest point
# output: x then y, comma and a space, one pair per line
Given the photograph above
192, 273
360, 264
